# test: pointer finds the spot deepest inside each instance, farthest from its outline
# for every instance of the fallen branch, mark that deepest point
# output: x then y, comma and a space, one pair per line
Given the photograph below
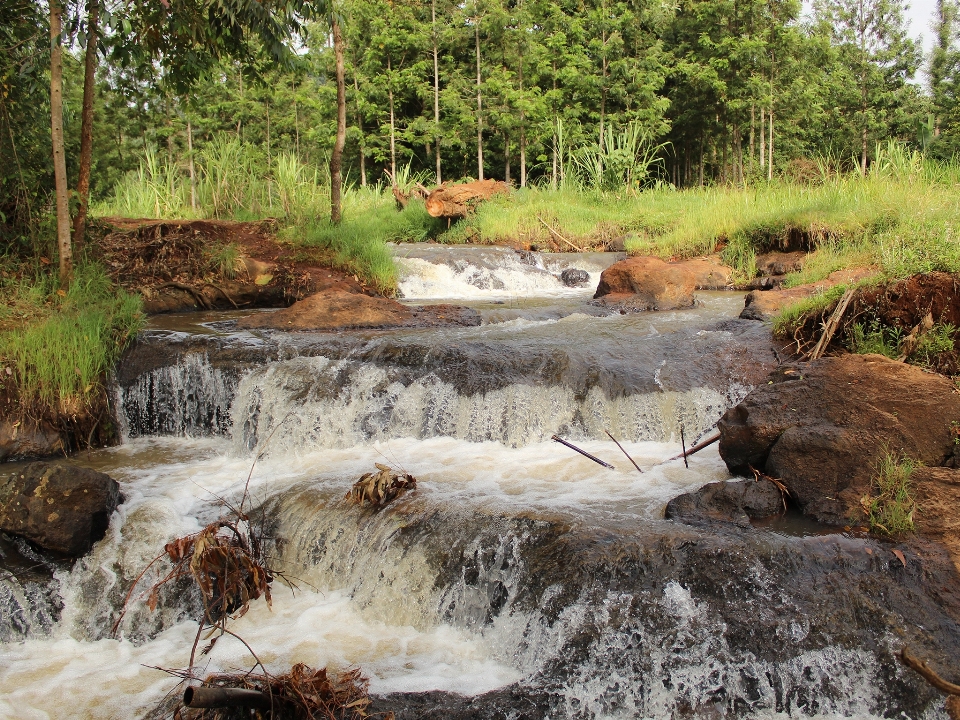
554, 232
695, 449
221, 697
623, 451
911, 661
831, 327
597, 460
784, 492
197, 295
224, 293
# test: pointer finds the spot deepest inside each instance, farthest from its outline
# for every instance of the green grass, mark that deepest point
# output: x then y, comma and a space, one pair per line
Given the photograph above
890, 506
358, 244
57, 346
903, 217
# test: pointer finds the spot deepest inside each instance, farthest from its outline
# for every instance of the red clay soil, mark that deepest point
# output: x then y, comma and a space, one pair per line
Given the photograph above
170, 264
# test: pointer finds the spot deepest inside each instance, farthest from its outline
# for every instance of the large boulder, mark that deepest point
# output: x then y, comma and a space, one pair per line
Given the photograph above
821, 427
339, 309
58, 507
726, 502
649, 283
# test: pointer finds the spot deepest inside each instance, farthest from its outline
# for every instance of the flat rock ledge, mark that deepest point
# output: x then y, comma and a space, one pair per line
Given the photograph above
57, 507
340, 310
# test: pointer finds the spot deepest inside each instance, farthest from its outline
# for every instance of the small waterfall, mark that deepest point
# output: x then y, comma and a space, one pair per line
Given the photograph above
191, 397
492, 272
343, 403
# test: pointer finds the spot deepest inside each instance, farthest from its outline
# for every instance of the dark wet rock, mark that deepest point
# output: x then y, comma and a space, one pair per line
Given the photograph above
779, 263
728, 502
649, 283
821, 427
604, 616
59, 507
339, 309
572, 277
767, 304
22, 438
764, 283
177, 383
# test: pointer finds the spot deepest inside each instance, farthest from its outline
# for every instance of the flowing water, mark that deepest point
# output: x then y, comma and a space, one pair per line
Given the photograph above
519, 579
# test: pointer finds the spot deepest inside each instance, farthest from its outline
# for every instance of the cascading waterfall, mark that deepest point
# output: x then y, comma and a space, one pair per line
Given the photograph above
520, 579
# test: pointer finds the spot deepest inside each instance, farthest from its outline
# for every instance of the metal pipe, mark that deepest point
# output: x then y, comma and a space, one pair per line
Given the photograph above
220, 697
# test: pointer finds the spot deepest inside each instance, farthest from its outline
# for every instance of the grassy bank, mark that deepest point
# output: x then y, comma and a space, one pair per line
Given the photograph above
904, 217
56, 346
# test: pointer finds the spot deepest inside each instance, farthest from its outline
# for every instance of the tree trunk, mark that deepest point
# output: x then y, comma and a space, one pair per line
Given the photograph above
193, 172
436, 89
86, 123
753, 126
59, 157
393, 141
456, 201
269, 160
770, 146
763, 138
506, 156
336, 158
476, 29
363, 158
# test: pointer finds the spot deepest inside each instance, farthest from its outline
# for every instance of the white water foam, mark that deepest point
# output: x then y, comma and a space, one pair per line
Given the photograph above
509, 278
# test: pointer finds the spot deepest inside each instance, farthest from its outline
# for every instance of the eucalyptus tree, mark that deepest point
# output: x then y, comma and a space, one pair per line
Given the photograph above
877, 59
944, 74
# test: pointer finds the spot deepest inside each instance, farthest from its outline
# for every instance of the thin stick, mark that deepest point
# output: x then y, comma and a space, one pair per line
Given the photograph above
831, 327
623, 451
695, 449
554, 232
597, 460
929, 675
683, 446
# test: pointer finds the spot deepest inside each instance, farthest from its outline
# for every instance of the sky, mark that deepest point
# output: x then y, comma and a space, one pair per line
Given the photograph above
920, 15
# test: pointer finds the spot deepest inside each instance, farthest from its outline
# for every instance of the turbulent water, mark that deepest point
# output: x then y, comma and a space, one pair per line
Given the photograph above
520, 579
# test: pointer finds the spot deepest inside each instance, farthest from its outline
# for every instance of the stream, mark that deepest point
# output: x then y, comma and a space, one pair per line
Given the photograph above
519, 580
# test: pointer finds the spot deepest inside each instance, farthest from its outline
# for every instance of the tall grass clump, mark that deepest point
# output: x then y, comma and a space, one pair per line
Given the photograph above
889, 506
56, 346
359, 243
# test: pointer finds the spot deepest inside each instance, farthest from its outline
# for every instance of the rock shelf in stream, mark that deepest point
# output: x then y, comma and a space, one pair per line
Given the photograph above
339, 310
606, 618
425, 383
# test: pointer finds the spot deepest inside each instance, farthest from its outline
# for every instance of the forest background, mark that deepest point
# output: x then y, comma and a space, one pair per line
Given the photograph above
708, 91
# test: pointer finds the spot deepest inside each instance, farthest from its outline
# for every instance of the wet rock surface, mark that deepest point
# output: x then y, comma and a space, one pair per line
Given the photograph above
649, 283
22, 438
574, 277
58, 507
936, 491
727, 502
821, 427
338, 309
650, 620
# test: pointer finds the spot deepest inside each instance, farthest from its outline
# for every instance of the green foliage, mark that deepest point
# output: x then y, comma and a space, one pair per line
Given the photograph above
59, 345
625, 160
874, 338
227, 260
890, 506
793, 315
939, 339
359, 243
